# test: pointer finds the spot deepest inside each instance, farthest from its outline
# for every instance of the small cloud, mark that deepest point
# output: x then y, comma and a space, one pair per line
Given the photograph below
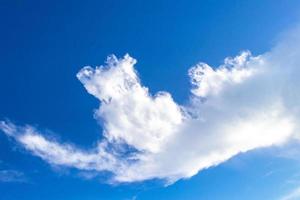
269, 173
12, 176
88, 175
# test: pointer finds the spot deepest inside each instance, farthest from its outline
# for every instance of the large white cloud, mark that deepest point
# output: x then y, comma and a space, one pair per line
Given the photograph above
130, 113
246, 103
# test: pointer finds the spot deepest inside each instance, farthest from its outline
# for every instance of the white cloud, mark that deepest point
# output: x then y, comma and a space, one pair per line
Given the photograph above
246, 103
129, 112
208, 81
60, 154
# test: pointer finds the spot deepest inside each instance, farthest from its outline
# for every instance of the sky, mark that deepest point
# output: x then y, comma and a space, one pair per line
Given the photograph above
138, 100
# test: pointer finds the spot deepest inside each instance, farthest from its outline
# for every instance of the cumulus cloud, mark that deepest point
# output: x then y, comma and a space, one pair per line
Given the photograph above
246, 103
130, 113
208, 81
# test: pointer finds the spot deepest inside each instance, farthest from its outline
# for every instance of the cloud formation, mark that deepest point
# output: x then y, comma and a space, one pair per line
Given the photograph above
248, 102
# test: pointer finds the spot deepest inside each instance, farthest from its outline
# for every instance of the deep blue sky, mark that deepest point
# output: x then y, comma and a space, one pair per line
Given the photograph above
45, 43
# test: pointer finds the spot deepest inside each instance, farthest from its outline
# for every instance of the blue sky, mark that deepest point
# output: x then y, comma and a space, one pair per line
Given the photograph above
45, 44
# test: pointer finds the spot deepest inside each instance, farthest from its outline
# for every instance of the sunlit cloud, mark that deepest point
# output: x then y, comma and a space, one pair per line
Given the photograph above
246, 103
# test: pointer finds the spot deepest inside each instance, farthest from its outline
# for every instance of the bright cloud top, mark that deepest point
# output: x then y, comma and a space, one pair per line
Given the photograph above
246, 103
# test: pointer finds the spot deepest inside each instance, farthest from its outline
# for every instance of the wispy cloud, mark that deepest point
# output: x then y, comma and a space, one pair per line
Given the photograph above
293, 195
12, 176
248, 102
